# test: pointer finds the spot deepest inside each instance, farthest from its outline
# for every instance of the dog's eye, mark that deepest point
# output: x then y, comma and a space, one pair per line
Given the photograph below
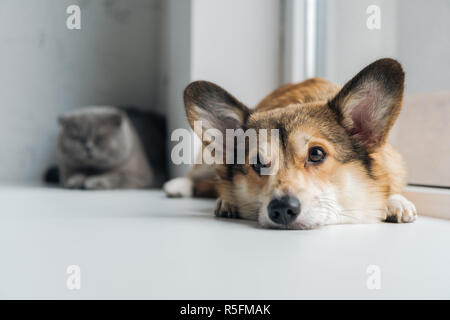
258, 166
316, 154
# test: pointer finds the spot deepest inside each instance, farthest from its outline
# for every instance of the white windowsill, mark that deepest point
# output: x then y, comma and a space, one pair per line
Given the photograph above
140, 244
432, 202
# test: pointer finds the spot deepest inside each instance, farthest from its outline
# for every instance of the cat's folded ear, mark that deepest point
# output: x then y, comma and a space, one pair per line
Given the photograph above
213, 107
368, 105
113, 119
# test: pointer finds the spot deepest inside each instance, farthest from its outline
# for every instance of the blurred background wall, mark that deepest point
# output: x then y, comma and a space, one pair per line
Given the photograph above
46, 69
412, 31
141, 52
144, 52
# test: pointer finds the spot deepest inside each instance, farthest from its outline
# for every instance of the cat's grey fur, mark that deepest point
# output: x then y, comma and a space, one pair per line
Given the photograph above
99, 148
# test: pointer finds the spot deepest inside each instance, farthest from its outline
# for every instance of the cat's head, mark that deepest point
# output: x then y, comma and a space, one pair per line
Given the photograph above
98, 137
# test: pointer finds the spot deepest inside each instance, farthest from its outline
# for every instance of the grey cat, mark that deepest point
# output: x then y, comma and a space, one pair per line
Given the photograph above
99, 148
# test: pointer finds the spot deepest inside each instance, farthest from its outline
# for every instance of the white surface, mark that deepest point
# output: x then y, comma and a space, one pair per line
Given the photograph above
139, 244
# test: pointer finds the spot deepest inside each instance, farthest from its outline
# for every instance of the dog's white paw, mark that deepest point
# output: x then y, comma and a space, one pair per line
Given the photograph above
400, 209
225, 209
179, 187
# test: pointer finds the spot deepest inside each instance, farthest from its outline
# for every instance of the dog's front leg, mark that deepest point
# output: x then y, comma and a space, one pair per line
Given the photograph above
399, 209
225, 209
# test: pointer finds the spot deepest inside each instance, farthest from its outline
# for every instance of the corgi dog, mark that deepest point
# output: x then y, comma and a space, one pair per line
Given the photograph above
333, 163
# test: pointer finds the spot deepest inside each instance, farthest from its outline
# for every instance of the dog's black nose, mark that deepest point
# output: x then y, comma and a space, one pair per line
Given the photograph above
283, 210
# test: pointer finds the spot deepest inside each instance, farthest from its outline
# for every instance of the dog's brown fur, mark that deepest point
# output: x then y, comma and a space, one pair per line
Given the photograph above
359, 180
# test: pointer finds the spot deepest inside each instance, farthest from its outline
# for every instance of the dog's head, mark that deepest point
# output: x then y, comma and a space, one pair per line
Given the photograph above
318, 168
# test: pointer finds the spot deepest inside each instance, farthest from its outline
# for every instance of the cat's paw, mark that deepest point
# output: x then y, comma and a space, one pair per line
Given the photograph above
97, 183
399, 209
75, 181
179, 187
225, 209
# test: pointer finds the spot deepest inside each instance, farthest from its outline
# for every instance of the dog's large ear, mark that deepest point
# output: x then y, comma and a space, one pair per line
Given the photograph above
214, 107
368, 105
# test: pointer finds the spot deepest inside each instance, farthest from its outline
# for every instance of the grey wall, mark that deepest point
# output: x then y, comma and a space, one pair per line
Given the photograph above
349, 44
424, 44
413, 31
46, 69
236, 44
